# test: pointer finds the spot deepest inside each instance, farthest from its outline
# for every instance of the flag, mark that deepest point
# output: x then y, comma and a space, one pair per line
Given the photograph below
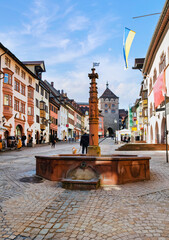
95, 64
159, 90
127, 41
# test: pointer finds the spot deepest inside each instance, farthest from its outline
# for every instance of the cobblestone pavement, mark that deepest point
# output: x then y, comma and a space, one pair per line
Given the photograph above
46, 211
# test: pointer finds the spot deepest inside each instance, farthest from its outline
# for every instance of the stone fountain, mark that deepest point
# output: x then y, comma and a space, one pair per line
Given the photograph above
93, 170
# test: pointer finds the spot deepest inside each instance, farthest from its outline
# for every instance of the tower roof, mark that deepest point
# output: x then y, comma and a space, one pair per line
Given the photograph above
108, 94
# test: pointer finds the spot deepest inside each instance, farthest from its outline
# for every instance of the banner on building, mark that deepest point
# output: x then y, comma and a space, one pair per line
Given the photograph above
127, 41
159, 90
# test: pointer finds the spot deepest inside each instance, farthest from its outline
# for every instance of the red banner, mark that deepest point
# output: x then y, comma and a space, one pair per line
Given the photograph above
159, 90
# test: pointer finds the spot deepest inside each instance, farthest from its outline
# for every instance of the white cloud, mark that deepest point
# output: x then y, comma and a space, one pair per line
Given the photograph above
125, 84
51, 41
39, 17
78, 23
38, 39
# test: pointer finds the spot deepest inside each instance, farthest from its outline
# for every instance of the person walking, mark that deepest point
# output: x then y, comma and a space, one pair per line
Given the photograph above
84, 142
53, 142
23, 140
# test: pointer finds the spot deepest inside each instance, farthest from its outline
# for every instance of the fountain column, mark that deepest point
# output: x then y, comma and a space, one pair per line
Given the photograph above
93, 148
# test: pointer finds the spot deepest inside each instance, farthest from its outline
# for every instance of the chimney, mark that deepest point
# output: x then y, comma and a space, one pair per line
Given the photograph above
59, 91
52, 84
62, 91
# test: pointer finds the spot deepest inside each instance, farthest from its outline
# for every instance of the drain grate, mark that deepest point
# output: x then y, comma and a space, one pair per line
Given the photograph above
33, 179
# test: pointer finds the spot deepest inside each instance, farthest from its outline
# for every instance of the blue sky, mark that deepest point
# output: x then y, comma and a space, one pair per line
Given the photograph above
70, 35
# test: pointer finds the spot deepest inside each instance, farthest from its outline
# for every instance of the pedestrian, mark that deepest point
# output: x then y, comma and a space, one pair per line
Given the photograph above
44, 138
84, 142
41, 139
23, 140
19, 143
53, 142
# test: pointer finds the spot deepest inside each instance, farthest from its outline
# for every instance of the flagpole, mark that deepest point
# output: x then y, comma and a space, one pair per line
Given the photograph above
166, 131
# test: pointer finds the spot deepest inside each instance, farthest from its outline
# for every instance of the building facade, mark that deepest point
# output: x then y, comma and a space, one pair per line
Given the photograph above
109, 106
156, 65
41, 102
17, 90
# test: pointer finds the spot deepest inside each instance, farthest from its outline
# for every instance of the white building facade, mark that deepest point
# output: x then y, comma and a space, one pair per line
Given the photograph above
16, 97
156, 63
63, 122
41, 103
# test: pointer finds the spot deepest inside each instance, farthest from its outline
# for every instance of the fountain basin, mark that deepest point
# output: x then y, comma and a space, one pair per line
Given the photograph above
110, 169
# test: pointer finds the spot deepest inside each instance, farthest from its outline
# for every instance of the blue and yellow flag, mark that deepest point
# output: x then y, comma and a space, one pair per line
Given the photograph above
127, 41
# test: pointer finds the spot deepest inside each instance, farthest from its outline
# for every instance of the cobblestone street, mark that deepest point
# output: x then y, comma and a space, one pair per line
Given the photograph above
46, 211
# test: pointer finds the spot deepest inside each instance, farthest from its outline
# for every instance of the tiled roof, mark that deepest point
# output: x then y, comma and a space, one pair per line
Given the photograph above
108, 94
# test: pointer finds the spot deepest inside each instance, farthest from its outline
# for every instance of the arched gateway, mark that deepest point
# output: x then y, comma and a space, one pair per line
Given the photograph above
19, 131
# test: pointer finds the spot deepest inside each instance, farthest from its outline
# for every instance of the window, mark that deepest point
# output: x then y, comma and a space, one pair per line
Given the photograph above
16, 105
162, 63
105, 105
37, 103
106, 111
30, 111
37, 87
42, 105
151, 109
23, 74
46, 109
22, 107
7, 100
30, 80
113, 111
7, 62
17, 86
7, 78
155, 76
22, 89
113, 105
46, 95
150, 85
30, 93
37, 118
42, 91
17, 69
